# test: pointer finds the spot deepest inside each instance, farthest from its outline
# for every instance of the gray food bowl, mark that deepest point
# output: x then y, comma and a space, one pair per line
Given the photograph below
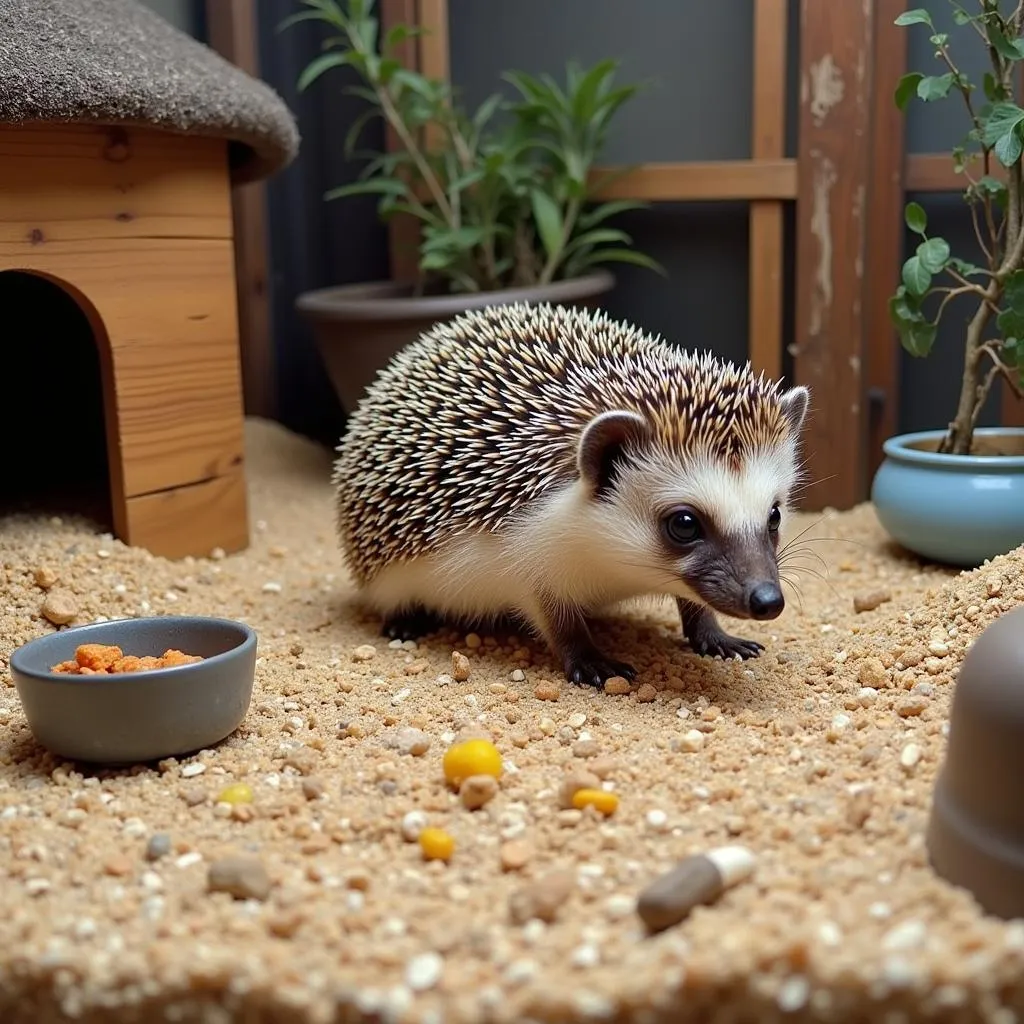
142, 716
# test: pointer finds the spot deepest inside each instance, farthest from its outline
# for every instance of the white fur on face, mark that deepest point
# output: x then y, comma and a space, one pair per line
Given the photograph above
587, 554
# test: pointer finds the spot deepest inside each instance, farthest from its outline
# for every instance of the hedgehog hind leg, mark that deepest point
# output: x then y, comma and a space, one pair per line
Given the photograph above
706, 636
411, 623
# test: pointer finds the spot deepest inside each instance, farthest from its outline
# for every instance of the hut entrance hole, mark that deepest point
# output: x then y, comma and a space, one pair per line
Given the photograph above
52, 413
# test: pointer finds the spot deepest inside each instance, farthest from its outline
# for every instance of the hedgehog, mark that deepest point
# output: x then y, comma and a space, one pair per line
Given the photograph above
543, 463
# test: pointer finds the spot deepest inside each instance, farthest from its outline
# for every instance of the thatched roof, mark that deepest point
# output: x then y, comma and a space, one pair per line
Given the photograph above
115, 62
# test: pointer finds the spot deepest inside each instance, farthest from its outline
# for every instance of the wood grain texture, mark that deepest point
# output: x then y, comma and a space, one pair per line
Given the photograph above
885, 232
765, 230
75, 182
233, 33
702, 181
176, 522
162, 303
835, 72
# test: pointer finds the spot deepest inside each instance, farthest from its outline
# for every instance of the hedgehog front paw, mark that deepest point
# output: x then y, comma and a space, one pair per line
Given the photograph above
410, 624
708, 639
592, 668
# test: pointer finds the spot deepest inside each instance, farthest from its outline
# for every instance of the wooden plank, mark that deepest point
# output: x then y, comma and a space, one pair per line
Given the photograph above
934, 172
234, 34
836, 69
885, 232
765, 230
168, 310
703, 181
189, 520
403, 229
59, 183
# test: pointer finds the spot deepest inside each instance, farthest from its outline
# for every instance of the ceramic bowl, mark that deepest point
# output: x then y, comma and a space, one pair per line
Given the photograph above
129, 718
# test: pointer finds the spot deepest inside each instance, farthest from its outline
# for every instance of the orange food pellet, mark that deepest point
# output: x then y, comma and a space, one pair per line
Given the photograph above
599, 799
109, 659
436, 844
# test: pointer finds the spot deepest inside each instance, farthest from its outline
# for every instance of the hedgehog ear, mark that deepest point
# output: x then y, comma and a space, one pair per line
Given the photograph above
794, 407
602, 446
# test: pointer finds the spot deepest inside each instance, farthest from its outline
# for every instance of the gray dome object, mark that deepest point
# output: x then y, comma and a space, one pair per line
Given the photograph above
117, 63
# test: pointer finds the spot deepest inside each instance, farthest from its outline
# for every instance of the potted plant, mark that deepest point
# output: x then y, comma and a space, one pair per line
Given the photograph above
957, 495
504, 201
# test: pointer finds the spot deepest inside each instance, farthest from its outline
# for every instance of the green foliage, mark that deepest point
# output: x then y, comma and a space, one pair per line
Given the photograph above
932, 276
506, 197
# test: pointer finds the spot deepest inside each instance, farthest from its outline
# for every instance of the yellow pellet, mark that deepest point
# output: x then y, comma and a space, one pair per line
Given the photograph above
600, 800
436, 844
239, 793
471, 757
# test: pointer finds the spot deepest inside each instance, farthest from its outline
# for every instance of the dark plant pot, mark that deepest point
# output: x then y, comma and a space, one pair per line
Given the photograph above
359, 327
975, 833
955, 509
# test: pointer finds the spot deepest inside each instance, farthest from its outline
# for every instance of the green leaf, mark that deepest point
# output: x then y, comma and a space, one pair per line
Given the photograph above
603, 211
626, 256
1013, 292
915, 276
918, 16
1009, 148
378, 186
993, 90
964, 268
548, 218
918, 337
398, 34
1010, 323
935, 87
315, 68
294, 19
1010, 49
933, 254
598, 236
906, 88
1002, 119
916, 218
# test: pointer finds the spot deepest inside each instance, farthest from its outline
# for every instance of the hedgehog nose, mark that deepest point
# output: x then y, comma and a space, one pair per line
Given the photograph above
766, 601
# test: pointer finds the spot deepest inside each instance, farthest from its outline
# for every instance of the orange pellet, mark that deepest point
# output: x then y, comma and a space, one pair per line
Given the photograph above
600, 800
108, 659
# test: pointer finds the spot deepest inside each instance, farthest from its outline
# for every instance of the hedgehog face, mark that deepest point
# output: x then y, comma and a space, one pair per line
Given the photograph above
693, 526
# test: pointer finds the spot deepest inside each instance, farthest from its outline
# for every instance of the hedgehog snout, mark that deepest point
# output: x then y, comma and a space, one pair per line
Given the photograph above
766, 601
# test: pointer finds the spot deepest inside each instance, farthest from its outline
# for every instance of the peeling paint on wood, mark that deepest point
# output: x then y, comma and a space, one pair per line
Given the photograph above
826, 88
825, 178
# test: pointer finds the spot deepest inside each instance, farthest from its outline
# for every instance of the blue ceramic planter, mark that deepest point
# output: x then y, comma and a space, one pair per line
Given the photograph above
954, 509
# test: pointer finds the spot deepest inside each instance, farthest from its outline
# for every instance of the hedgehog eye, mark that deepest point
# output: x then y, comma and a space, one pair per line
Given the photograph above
774, 519
682, 527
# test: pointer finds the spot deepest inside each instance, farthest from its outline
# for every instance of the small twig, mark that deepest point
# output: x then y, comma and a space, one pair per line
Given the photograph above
998, 366
983, 391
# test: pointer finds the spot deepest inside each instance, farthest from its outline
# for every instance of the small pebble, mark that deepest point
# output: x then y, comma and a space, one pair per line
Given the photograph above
424, 971
870, 601
364, 652
547, 690
515, 854
697, 879
192, 770
60, 607
413, 824
159, 845
646, 693
45, 577
691, 741
477, 790
460, 667
244, 877
543, 898
617, 685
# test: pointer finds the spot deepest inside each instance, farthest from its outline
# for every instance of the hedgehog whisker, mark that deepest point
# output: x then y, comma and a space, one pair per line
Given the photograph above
795, 587
788, 557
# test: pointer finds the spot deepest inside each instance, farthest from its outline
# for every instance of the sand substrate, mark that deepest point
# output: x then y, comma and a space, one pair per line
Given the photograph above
819, 757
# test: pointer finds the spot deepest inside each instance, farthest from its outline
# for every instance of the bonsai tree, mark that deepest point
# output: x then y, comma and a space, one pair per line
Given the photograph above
990, 160
506, 198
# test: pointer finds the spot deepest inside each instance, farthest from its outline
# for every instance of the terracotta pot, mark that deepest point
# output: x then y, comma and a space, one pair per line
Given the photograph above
359, 327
